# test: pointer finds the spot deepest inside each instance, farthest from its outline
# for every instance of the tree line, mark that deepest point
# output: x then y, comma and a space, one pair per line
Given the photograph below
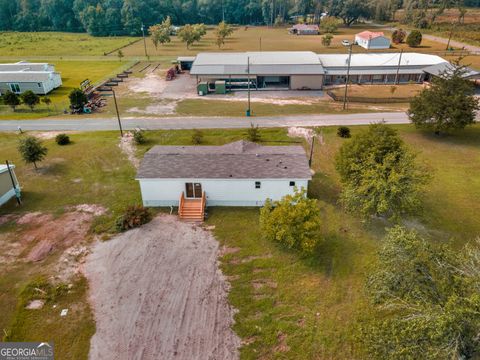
125, 17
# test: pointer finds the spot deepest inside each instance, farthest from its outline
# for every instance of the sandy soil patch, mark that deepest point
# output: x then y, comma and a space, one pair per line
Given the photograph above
128, 148
157, 293
46, 135
152, 83
301, 132
159, 109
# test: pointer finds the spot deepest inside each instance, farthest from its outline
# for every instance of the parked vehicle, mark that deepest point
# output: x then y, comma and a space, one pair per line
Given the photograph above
345, 43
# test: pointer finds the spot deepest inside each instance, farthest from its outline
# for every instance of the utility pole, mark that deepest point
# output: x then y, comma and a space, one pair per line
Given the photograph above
260, 43
144, 42
311, 152
398, 67
248, 85
118, 115
347, 79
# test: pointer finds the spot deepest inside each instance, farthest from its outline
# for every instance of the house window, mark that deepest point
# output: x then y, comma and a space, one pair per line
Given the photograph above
292, 183
39, 84
15, 88
258, 184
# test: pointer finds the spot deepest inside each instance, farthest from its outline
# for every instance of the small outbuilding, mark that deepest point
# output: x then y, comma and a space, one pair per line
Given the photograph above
303, 29
241, 173
7, 181
372, 40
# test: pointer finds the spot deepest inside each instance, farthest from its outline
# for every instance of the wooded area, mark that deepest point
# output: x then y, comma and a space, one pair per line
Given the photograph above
125, 17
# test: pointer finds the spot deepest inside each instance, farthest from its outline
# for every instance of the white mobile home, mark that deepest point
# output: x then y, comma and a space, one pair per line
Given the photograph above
372, 40
41, 78
7, 191
237, 174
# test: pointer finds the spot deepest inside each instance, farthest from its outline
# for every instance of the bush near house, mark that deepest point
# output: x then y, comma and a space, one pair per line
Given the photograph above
139, 137
343, 132
30, 99
197, 137
32, 150
11, 99
294, 221
398, 36
253, 133
134, 216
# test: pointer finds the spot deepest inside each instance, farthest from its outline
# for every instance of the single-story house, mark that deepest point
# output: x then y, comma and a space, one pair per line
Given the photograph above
297, 70
372, 40
377, 68
264, 70
241, 173
41, 78
303, 29
7, 190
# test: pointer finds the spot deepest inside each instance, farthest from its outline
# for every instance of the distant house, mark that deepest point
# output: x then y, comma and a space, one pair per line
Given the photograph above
7, 191
41, 78
241, 173
372, 40
302, 29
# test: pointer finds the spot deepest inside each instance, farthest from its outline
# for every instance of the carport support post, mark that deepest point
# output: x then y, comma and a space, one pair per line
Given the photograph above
13, 183
347, 79
118, 115
398, 67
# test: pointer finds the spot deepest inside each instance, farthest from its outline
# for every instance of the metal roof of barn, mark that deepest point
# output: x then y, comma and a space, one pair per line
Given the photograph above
261, 63
379, 59
237, 160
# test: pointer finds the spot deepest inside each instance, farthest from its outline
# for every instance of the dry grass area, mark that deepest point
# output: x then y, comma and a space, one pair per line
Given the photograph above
380, 91
268, 39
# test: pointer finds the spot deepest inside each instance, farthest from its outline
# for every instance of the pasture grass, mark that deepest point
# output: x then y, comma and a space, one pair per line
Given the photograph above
26, 44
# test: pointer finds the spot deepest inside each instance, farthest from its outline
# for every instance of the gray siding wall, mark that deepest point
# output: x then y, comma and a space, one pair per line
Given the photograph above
40, 90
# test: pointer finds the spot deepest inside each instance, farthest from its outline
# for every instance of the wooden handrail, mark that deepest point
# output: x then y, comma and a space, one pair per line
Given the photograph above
204, 199
180, 203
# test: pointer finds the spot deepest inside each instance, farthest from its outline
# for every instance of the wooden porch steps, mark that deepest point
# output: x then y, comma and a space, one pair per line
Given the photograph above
192, 209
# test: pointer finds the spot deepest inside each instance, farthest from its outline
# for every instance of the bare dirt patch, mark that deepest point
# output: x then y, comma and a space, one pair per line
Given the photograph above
296, 132
152, 83
46, 135
128, 148
158, 293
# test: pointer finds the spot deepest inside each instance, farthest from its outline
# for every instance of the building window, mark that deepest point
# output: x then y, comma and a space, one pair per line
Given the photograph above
15, 88
292, 183
258, 184
39, 84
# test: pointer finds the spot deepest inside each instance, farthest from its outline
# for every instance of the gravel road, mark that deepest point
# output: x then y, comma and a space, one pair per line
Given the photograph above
157, 293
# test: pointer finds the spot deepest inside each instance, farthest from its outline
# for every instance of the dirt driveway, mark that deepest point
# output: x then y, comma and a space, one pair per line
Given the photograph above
157, 293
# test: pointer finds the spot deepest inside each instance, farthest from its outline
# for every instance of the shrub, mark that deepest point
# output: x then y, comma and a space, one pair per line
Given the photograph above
77, 99
32, 150
62, 139
30, 99
253, 133
414, 39
139, 137
398, 36
134, 216
343, 132
327, 39
11, 99
197, 137
294, 221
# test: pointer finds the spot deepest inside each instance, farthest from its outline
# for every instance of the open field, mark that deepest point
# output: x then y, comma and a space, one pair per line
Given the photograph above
27, 44
267, 39
290, 307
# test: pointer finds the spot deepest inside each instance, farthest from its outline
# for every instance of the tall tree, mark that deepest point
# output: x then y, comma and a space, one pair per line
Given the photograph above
349, 10
379, 174
223, 31
448, 104
160, 33
425, 300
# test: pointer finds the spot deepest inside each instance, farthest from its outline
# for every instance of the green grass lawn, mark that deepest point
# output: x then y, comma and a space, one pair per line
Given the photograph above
58, 44
73, 73
256, 38
290, 306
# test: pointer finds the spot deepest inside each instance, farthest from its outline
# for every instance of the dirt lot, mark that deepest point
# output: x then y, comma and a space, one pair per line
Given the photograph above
157, 293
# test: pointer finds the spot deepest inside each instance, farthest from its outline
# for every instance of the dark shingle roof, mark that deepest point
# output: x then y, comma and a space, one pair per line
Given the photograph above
237, 160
